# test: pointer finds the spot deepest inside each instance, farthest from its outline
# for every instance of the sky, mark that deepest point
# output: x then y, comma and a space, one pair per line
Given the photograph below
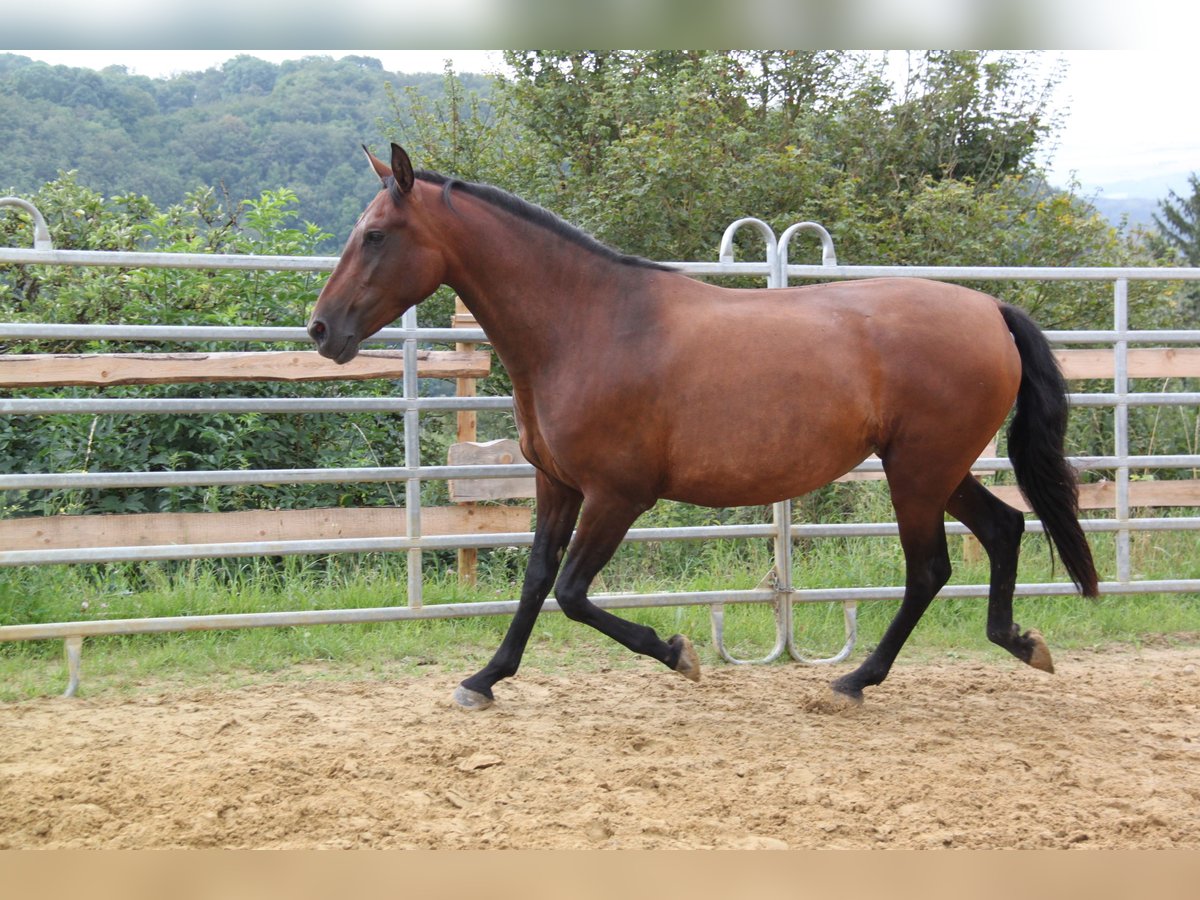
1130, 125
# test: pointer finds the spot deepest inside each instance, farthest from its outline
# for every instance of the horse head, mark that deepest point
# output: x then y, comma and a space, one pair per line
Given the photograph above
391, 262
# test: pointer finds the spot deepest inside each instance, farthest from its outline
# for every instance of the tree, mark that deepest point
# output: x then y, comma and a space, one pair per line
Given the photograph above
656, 151
973, 116
245, 74
1178, 241
207, 221
1179, 224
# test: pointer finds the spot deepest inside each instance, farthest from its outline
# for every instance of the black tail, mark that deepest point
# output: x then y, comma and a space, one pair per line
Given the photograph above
1035, 446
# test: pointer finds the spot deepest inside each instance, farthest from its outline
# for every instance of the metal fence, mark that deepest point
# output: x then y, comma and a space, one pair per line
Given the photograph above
777, 589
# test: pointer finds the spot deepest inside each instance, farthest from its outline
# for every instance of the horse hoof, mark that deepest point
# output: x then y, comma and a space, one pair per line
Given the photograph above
688, 664
834, 702
1039, 656
471, 700
844, 694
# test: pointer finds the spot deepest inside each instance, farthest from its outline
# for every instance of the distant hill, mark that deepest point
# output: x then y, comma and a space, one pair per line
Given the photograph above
1134, 201
1157, 183
247, 126
1133, 212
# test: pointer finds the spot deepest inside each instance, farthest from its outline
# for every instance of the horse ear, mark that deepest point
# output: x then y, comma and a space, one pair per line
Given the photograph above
402, 169
380, 167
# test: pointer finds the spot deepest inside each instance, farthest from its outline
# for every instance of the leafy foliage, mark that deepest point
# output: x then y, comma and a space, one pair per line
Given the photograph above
81, 219
656, 152
652, 151
242, 128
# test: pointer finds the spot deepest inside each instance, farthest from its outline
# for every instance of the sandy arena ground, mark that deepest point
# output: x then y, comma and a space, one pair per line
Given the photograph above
966, 754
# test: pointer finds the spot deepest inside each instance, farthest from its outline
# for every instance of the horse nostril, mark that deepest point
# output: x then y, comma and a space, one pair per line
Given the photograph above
317, 330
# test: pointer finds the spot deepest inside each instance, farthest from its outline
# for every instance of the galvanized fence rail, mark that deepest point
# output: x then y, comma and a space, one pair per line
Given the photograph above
776, 589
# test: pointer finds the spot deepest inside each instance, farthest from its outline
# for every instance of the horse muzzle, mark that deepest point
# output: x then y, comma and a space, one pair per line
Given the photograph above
340, 346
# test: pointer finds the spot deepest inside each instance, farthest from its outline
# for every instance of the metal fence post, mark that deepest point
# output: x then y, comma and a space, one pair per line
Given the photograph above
1121, 423
412, 457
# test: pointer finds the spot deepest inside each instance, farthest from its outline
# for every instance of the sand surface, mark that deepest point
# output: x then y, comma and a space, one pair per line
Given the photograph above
1106, 753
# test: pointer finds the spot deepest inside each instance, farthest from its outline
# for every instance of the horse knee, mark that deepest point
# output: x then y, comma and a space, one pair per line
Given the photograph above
939, 571
572, 612
540, 575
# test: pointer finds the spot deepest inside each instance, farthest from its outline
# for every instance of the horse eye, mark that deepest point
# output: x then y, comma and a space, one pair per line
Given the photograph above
374, 237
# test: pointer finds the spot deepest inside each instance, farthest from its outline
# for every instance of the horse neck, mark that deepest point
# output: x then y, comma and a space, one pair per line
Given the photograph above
536, 294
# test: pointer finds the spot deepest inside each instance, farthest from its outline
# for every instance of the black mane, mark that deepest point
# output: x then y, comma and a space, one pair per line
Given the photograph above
536, 215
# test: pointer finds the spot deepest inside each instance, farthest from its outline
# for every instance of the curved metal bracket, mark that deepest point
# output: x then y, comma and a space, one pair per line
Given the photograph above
41, 234
716, 614
850, 618
828, 256
725, 254
785, 638
73, 645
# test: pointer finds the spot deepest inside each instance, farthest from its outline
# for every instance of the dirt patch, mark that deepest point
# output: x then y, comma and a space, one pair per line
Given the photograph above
968, 754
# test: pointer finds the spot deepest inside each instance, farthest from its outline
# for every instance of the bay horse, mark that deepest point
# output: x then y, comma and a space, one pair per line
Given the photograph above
623, 395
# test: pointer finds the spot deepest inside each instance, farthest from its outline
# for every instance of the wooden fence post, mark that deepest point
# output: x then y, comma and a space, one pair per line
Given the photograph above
468, 557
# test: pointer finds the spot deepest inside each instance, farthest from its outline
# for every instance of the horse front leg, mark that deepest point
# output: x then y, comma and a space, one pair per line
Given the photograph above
602, 526
557, 509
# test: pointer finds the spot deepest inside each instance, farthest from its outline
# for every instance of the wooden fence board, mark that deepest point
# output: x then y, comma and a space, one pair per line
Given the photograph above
1103, 494
491, 453
97, 370
147, 529
1144, 362
989, 451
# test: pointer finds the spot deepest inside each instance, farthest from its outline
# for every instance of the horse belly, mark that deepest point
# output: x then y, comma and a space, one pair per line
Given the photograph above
756, 456
776, 413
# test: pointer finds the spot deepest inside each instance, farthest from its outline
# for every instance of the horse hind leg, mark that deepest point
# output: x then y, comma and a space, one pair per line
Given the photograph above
921, 479
999, 528
927, 562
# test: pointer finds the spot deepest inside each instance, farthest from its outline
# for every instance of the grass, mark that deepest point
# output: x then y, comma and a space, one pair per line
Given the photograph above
459, 646
455, 647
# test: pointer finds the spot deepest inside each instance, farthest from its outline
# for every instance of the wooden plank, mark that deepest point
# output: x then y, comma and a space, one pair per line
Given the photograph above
988, 451
102, 369
464, 385
1103, 494
45, 370
1144, 362
1078, 364
462, 317
145, 529
491, 453
467, 422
